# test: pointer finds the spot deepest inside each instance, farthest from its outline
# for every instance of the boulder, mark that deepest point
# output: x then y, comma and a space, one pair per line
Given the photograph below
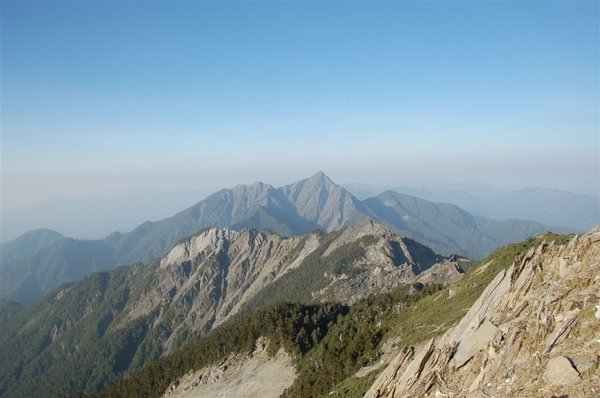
560, 372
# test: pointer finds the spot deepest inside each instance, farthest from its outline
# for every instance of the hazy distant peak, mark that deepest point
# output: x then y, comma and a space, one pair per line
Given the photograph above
315, 183
41, 232
320, 200
321, 177
28, 243
258, 191
545, 193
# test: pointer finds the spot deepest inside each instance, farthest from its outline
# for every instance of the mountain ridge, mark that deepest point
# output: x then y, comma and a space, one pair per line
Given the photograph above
292, 210
548, 206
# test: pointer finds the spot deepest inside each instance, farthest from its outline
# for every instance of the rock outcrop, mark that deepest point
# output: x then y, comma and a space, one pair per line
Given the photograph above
533, 332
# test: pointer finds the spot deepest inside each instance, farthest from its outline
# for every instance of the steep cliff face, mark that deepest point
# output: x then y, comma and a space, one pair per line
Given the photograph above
208, 277
535, 331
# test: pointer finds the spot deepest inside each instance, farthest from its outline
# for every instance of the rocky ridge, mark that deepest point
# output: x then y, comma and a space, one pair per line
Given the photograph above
210, 276
535, 331
213, 273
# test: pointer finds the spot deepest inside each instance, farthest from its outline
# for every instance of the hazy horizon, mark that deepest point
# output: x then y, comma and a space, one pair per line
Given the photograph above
202, 191
96, 216
104, 98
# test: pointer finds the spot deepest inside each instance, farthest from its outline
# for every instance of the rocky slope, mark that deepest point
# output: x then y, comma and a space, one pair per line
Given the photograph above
535, 331
253, 375
213, 274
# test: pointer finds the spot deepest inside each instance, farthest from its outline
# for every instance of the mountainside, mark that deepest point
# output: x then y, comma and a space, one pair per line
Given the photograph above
533, 332
27, 244
442, 225
258, 206
84, 335
27, 279
321, 201
543, 205
549, 206
292, 210
346, 358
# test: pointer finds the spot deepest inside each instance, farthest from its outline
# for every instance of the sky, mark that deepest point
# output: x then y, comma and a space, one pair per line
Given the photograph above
101, 97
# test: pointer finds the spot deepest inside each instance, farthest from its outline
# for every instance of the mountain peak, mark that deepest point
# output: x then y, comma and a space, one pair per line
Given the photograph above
321, 177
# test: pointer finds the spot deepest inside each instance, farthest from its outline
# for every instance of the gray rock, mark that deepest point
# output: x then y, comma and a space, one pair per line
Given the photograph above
560, 372
476, 342
584, 362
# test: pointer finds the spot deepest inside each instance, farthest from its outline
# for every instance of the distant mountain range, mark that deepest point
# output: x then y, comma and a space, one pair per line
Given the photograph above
543, 205
36, 264
97, 217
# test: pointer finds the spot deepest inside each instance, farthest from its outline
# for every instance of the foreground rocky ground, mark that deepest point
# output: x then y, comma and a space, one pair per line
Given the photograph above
535, 331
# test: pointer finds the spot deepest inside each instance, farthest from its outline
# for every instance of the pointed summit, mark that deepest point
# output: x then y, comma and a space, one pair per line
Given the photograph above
320, 179
323, 202
320, 176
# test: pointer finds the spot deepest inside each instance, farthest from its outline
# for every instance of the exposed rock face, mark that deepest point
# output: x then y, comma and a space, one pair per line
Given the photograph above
533, 332
209, 276
445, 272
206, 279
560, 372
389, 261
254, 375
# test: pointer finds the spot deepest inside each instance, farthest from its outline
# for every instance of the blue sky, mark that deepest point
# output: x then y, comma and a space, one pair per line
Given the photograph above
102, 97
